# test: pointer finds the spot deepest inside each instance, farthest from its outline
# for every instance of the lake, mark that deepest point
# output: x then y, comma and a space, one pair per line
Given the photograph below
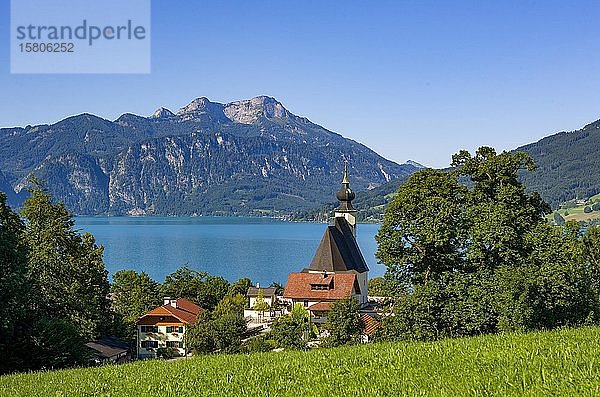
263, 249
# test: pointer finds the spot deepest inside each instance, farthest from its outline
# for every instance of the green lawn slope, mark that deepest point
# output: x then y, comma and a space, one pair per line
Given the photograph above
565, 363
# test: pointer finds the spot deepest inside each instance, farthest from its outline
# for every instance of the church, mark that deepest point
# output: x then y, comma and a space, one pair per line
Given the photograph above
338, 269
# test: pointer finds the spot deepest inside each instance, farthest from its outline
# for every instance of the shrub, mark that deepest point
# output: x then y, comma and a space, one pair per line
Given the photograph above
167, 352
259, 344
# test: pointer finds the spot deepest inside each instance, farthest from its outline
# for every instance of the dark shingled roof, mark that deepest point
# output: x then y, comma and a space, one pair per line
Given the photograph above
267, 292
338, 251
108, 347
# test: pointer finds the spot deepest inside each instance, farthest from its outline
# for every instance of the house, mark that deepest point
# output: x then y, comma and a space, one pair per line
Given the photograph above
109, 350
317, 291
338, 270
268, 295
165, 327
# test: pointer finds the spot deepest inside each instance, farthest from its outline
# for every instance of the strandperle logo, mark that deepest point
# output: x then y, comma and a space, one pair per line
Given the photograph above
85, 32
74, 36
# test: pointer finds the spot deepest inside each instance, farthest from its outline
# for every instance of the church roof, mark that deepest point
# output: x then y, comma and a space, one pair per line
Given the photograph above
338, 250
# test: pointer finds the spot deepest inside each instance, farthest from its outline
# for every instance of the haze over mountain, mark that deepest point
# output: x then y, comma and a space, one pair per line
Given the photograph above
245, 157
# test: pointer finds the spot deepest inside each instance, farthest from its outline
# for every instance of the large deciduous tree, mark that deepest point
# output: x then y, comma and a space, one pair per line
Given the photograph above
420, 237
240, 287
294, 330
198, 287
220, 330
468, 251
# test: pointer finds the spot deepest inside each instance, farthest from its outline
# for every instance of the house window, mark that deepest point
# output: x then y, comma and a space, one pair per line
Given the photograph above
181, 345
149, 344
173, 343
305, 303
149, 328
174, 330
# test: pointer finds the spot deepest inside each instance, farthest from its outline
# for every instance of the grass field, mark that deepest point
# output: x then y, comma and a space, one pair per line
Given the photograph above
576, 211
559, 363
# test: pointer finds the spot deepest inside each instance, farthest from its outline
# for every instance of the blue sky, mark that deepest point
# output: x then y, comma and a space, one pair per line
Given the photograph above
412, 80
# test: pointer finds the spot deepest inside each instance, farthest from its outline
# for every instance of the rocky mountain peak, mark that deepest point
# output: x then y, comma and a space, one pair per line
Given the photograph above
250, 110
197, 105
162, 113
414, 164
201, 107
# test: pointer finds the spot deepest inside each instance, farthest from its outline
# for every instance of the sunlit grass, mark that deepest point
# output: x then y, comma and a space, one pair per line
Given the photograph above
562, 362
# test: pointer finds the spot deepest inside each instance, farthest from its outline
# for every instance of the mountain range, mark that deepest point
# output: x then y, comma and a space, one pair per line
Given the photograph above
247, 157
568, 165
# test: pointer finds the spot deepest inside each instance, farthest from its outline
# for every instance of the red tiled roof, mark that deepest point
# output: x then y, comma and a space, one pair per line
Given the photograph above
320, 307
370, 324
188, 306
185, 311
298, 286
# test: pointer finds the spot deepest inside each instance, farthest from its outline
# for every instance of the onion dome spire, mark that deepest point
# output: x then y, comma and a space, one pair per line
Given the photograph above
345, 195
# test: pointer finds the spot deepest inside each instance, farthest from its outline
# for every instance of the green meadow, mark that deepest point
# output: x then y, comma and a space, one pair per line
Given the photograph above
558, 363
572, 211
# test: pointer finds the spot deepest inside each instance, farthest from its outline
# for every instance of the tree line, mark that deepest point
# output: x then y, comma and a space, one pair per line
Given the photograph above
55, 295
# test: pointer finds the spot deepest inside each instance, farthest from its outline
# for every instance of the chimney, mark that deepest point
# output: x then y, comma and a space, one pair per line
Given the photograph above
257, 285
170, 301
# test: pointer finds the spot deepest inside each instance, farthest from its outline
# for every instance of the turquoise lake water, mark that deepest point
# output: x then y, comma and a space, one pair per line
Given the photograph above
265, 250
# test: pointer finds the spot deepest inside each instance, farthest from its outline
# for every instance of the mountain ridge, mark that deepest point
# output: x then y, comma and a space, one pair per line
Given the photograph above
245, 157
567, 168
567, 164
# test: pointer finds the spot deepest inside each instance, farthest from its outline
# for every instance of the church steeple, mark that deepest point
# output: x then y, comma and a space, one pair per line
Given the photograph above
345, 196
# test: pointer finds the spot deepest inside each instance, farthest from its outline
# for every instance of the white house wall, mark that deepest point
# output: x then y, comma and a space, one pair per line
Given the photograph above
162, 337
